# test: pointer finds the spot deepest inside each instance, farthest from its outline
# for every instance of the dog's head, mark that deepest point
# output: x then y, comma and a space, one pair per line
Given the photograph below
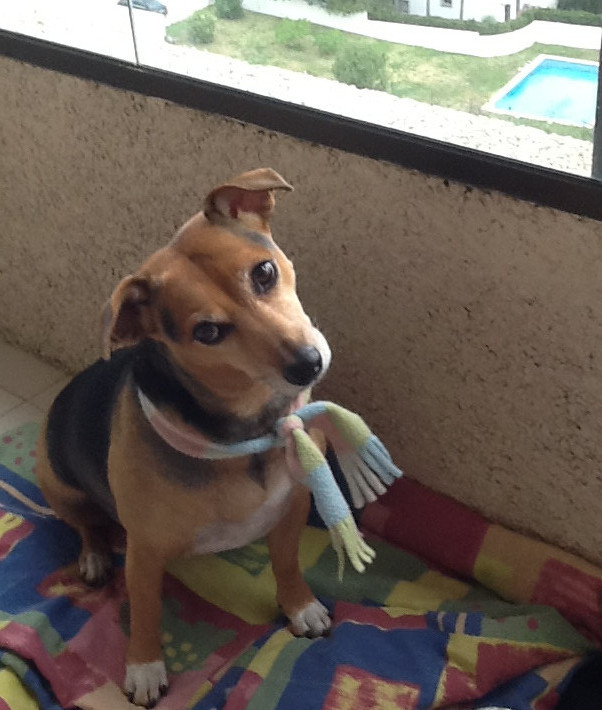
221, 299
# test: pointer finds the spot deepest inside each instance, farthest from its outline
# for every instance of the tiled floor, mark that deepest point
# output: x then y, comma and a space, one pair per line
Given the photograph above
27, 387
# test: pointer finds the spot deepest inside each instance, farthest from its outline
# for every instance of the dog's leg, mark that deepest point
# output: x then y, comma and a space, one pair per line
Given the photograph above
95, 565
146, 678
307, 616
77, 510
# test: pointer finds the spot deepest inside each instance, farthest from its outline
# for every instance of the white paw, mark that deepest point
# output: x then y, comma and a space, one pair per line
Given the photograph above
312, 621
145, 683
95, 568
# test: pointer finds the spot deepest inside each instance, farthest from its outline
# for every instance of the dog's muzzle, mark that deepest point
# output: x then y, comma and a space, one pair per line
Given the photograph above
305, 368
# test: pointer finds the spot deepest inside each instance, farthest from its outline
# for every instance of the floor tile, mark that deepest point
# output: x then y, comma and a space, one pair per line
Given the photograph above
23, 375
8, 401
47, 397
23, 414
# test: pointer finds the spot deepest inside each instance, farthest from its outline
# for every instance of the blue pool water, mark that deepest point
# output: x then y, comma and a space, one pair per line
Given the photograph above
555, 90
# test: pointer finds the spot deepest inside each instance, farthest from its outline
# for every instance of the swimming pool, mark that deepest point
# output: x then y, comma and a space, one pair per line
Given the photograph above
551, 89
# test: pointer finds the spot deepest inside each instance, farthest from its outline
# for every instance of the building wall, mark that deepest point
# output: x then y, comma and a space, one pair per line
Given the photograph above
466, 325
475, 9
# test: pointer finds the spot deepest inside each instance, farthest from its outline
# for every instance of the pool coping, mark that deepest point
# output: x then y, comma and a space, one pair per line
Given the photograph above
522, 74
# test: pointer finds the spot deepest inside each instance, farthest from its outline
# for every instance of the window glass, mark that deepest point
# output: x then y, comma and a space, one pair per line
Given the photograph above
511, 79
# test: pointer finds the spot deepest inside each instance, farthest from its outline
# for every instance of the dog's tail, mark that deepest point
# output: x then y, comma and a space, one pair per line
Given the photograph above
31, 504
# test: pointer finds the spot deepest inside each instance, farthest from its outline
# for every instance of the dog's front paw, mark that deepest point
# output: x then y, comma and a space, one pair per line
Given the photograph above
145, 683
95, 568
312, 621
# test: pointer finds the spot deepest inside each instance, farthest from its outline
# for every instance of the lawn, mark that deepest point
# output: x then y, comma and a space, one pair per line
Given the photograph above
452, 80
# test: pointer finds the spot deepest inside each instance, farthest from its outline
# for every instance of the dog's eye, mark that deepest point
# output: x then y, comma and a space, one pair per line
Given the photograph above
264, 277
210, 333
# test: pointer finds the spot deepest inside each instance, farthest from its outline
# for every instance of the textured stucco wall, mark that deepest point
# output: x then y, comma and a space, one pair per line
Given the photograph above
466, 325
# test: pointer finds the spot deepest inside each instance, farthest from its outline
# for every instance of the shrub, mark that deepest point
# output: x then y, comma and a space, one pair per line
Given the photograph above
363, 64
593, 6
229, 9
573, 17
329, 42
344, 7
291, 33
490, 26
386, 12
257, 54
201, 27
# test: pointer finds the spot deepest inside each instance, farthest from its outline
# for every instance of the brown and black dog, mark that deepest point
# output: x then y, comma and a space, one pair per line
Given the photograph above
210, 330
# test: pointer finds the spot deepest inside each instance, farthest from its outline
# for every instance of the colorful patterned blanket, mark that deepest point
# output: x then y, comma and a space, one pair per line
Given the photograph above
455, 612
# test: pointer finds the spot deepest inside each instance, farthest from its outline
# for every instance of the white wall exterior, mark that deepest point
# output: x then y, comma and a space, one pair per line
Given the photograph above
474, 9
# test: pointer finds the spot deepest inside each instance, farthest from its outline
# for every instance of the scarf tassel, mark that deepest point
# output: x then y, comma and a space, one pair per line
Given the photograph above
367, 470
346, 539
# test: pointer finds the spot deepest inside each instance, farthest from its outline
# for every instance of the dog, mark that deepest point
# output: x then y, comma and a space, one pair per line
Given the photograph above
211, 334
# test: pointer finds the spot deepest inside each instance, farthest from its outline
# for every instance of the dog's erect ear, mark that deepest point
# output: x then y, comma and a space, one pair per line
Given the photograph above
250, 192
127, 318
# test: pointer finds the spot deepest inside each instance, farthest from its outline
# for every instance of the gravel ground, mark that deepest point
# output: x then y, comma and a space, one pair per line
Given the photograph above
489, 134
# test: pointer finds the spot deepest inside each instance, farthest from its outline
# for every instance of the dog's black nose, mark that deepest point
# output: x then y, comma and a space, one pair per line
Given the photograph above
306, 367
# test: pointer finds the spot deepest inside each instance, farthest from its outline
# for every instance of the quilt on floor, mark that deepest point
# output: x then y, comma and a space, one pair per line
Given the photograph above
493, 619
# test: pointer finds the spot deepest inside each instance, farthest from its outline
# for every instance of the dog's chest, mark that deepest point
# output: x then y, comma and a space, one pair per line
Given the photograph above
224, 534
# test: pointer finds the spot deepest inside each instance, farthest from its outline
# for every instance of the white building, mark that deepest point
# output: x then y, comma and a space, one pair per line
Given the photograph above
501, 10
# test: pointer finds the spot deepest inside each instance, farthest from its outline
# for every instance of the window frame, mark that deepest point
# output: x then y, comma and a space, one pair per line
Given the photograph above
474, 169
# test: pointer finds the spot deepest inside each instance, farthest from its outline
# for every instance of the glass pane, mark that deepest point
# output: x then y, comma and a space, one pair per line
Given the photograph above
102, 26
504, 79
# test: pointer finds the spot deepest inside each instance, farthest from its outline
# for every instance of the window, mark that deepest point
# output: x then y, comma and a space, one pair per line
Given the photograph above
391, 73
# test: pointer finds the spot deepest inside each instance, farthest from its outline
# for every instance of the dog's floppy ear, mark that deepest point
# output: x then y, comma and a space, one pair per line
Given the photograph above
127, 318
250, 192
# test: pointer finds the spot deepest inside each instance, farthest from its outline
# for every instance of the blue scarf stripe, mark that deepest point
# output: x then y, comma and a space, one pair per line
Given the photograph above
381, 464
262, 443
311, 410
244, 448
329, 500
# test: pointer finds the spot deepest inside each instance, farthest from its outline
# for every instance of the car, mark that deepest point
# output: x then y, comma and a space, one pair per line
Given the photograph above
151, 5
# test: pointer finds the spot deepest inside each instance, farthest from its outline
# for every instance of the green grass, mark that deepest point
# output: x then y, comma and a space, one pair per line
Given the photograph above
451, 80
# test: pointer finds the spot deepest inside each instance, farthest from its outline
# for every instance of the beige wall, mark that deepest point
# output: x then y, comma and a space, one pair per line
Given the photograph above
465, 324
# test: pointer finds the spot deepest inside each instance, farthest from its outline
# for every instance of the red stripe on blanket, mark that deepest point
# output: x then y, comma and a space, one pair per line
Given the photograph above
196, 609
356, 688
14, 535
575, 594
458, 686
548, 701
69, 676
499, 663
243, 692
432, 525
374, 616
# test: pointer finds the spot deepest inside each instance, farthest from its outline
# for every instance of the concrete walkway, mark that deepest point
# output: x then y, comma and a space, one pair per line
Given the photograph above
438, 38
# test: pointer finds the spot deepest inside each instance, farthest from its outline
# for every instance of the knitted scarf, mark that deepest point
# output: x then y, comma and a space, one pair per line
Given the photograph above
364, 461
